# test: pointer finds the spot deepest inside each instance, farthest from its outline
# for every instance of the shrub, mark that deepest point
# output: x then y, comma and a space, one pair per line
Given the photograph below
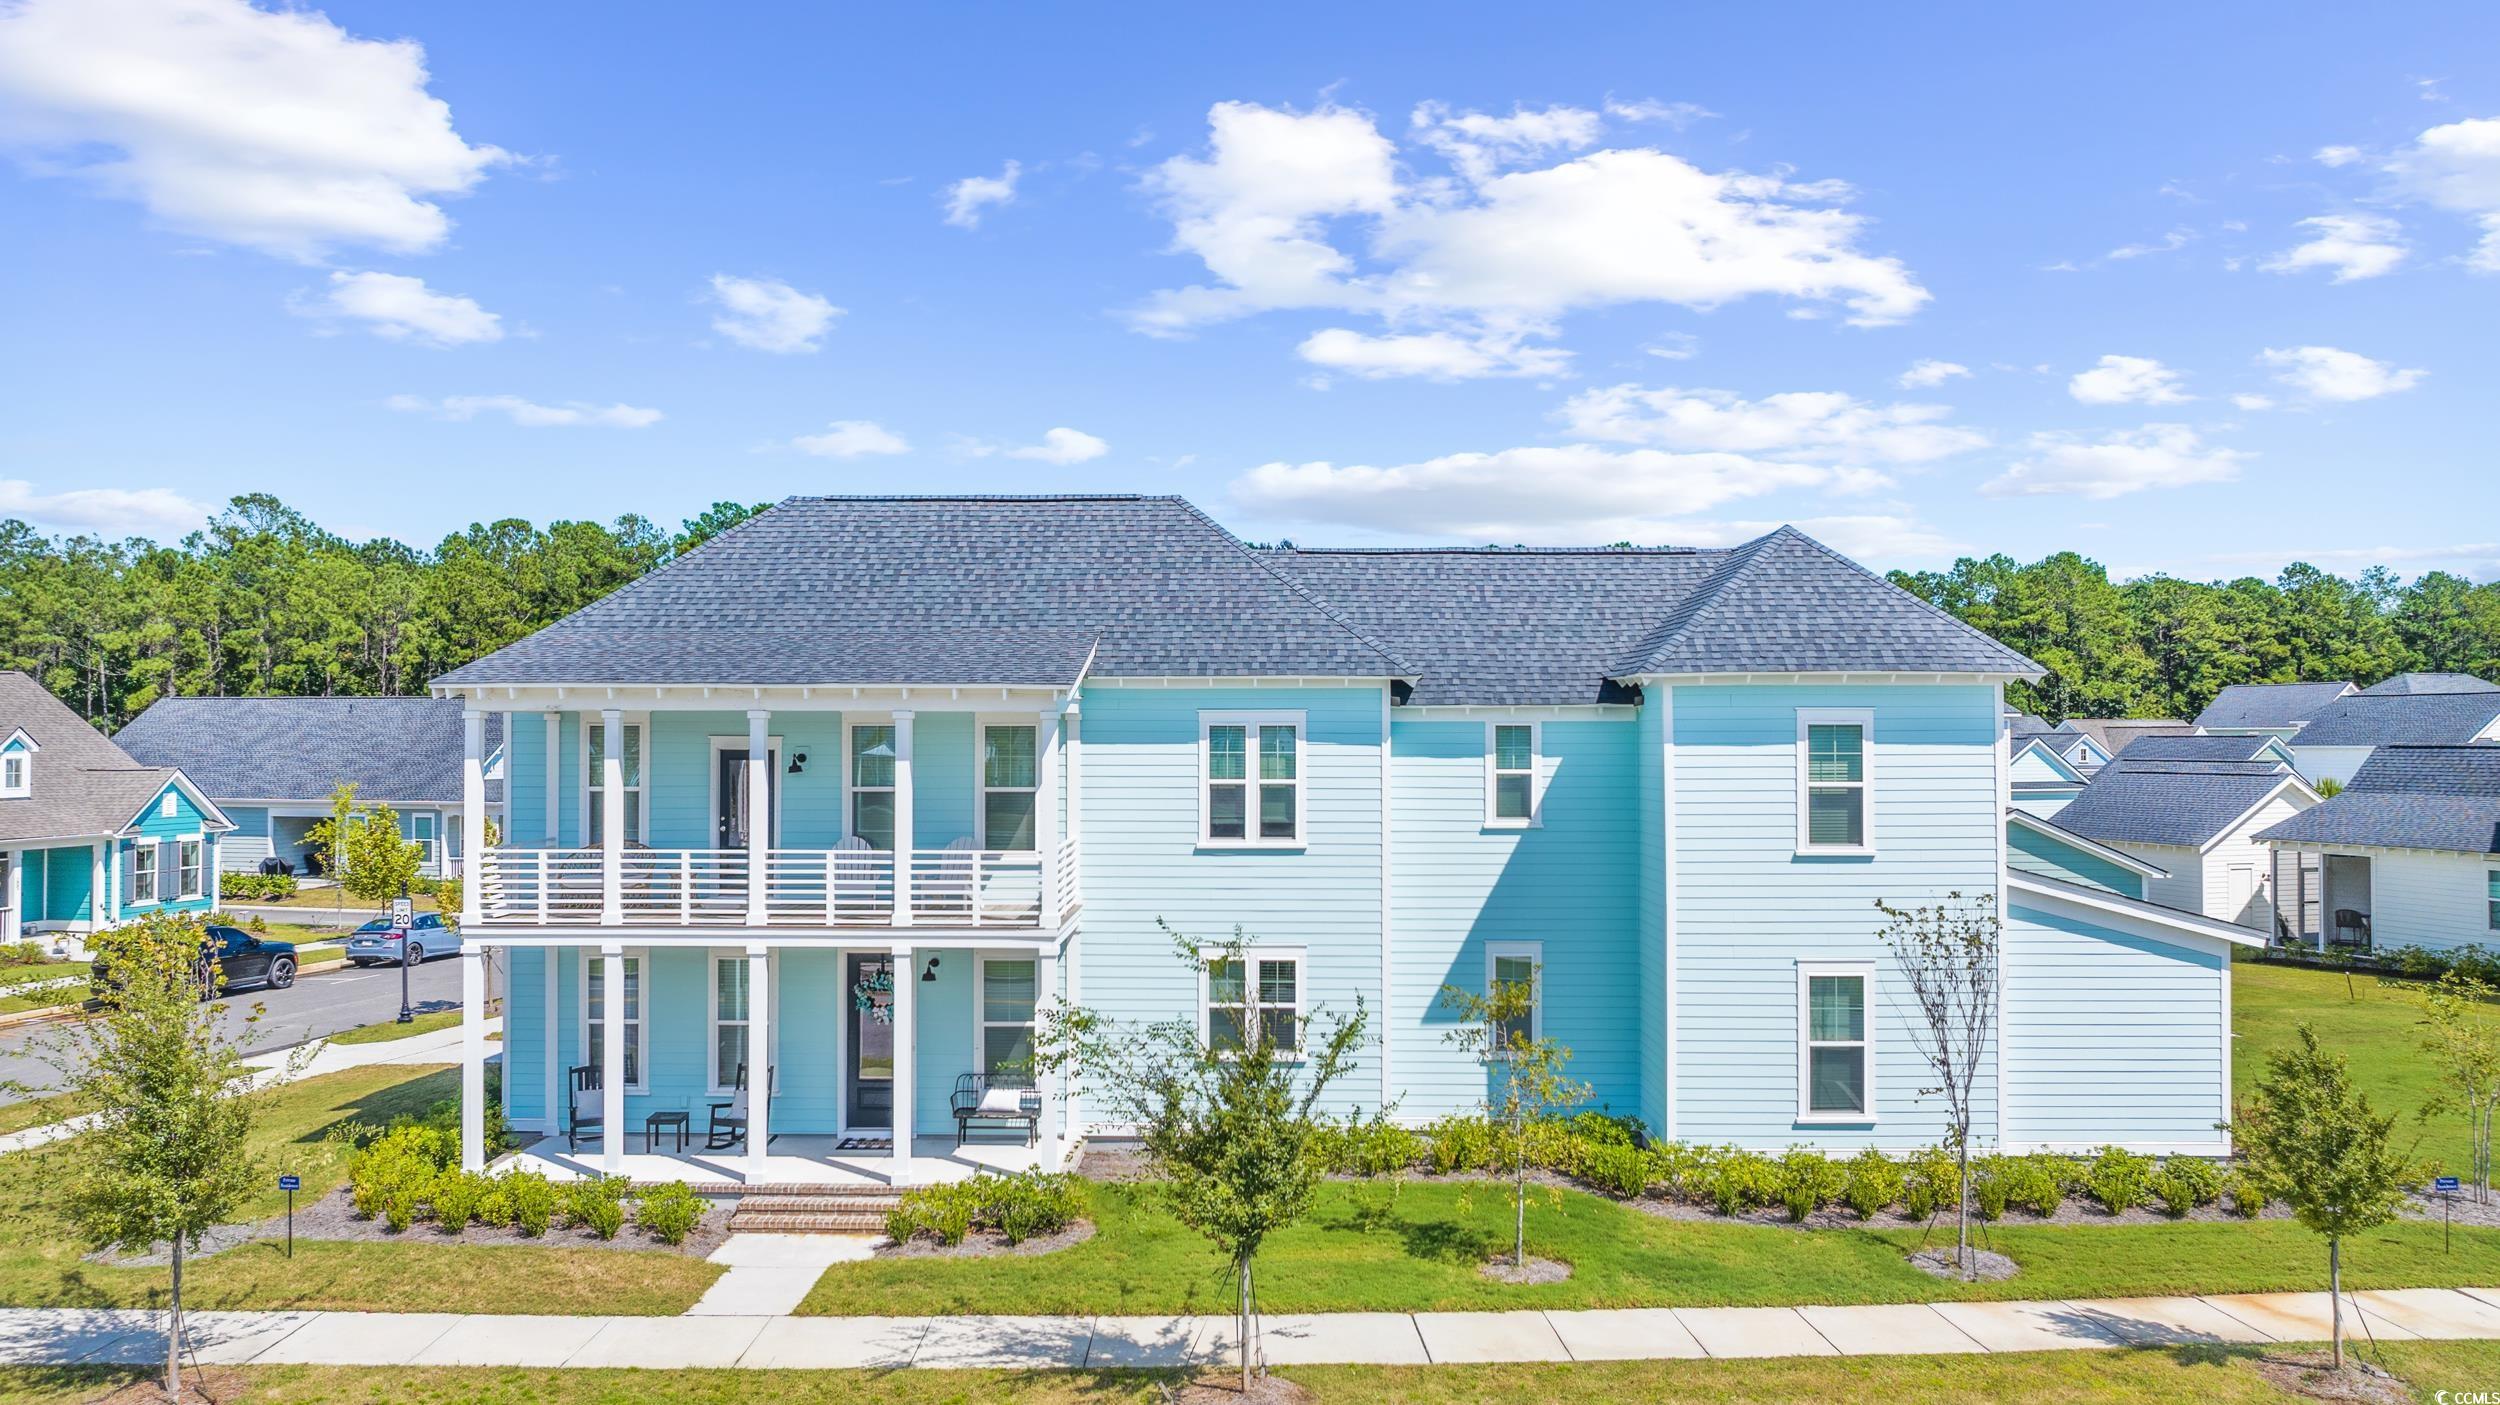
2185, 1183
2118, 1179
670, 1212
1737, 1180
254, 887
1989, 1187
1619, 1170
1873, 1181
1931, 1181
21, 954
1462, 1143
2036, 1182
1030, 1203
1808, 1181
1377, 1147
2245, 1196
1677, 1168
943, 1212
601, 1217
494, 1208
597, 1205
456, 1197
532, 1199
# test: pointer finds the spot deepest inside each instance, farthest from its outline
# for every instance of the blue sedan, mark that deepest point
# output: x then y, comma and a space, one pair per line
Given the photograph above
375, 944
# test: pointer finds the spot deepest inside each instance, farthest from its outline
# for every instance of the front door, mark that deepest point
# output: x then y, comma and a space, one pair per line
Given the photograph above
729, 826
869, 1097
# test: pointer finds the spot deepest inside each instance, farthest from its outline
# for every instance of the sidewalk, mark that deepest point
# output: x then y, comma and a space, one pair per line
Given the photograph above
99, 1336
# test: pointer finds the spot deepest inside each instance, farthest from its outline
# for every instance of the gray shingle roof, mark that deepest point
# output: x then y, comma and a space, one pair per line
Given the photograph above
2419, 683
1787, 603
82, 784
1505, 626
395, 750
2269, 704
2116, 734
2217, 746
969, 590
2166, 802
2410, 797
2401, 719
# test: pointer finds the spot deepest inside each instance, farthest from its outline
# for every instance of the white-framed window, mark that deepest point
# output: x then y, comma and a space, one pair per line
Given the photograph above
1010, 780
872, 783
594, 777
1512, 787
143, 864
1262, 989
1010, 993
2492, 886
16, 775
421, 832
1517, 965
1250, 779
1836, 1041
733, 1003
630, 1013
187, 866
1835, 792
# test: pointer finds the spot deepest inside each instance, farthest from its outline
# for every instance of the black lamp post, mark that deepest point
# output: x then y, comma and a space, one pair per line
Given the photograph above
406, 1015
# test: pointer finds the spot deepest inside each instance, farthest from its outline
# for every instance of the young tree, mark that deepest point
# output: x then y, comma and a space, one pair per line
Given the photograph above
167, 1158
2313, 1142
1948, 957
1227, 1117
450, 892
370, 857
330, 835
2463, 1042
1525, 1071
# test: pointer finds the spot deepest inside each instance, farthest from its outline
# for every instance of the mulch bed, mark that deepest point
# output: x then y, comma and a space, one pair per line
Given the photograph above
1226, 1390
987, 1244
333, 1217
1989, 1267
1534, 1271
2313, 1376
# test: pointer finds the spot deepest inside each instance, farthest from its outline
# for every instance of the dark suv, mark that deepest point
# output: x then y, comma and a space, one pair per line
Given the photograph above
233, 959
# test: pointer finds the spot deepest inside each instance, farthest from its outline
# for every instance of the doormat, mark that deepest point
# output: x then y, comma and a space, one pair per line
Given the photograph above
865, 1144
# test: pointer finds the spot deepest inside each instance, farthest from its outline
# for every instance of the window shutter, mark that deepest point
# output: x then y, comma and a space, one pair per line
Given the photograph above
129, 874
168, 870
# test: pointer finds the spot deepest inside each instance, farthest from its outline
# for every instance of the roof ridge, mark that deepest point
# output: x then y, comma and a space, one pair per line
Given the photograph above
1498, 550
974, 497
1304, 593
1679, 621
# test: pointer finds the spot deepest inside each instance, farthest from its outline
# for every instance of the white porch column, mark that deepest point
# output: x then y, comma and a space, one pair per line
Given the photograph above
473, 1050
612, 1060
906, 1055
759, 815
1074, 744
1046, 815
612, 817
554, 778
473, 816
902, 820
551, 1044
759, 1058
1046, 990
15, 927
99, 893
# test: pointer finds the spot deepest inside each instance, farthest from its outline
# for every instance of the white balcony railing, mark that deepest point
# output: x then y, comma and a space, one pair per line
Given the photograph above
842, 887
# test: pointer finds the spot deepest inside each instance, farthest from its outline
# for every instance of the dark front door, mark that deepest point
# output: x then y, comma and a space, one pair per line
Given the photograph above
870, 1021
730, 825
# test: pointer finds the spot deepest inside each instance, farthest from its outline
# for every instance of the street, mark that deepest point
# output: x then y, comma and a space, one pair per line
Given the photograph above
320, 1003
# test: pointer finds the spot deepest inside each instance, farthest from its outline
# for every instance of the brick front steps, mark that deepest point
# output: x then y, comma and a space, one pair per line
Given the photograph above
813, 1209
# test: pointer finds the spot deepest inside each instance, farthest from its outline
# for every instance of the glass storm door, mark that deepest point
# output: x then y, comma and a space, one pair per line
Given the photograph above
869, 1080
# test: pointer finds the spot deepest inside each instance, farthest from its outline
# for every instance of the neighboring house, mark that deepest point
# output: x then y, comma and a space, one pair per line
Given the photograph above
2407, 855
2079, 750
2114, 734
841, 797
2044, 781
91, 837
2341, 737
2417, 684
2197, 818
2214, 746
2279, 709
272, 764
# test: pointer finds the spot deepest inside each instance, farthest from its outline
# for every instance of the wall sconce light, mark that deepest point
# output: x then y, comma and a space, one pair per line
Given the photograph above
798, 763
931, 973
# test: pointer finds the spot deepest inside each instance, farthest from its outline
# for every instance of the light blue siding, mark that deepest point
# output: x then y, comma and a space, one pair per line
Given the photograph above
1749, 907
2031, 851
1568, 884
2115, 1037
942, 779
2045, 803
159, 828
525, 1033
68, 884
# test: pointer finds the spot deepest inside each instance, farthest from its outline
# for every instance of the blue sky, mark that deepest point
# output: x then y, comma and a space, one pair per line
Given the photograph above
2198, 289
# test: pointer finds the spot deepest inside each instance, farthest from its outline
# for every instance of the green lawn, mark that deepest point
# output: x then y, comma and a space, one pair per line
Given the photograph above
388, 1030
39, 971
2375, 1026
331, 900
40, 1263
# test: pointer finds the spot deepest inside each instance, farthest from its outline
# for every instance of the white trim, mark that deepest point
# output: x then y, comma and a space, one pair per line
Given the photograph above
714, 1083
1521, 712
1535, 818
23, 758
2049, 754
2184, 922
641, 787
196, 869
2094, 847
211, 817
1644, 680
851, 791
2290, 778
2005, 865
1534, 951
778, 697
981, 788
1664, 697
1250, 959
1862, 718
711, 784
1807, 970
640, 1024
1388, 946
19, 736
981, 1022
1251, 724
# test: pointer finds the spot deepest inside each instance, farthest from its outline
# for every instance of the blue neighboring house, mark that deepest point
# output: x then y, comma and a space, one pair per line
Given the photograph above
91, 837
805, 825
273, 764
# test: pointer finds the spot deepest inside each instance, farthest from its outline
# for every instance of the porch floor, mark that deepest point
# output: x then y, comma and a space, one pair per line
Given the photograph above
794, 1160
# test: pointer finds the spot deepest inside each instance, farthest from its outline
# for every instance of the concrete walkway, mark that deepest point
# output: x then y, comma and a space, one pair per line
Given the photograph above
771, 1274
760, 1340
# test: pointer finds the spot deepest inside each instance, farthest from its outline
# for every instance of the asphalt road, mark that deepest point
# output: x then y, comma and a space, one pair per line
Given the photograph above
320, 1003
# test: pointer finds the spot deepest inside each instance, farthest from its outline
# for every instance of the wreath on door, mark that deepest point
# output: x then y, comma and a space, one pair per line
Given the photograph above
864, 995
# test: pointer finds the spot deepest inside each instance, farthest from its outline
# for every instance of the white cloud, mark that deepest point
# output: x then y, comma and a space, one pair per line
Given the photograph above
272, 129
1677, 115
2245, 401
2338, 155
2169, 243
851, 439
2457, 167
529, 414
1310, 211
1063, 446
2127, 380
2130, 461
1814, 426
113, 513
770, 315
2354, 246
2329, 373
966, 198
1438, 355
1673, 346
400, 308
1923, 374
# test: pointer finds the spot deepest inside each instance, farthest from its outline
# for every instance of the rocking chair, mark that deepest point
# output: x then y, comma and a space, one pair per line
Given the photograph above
585, 1078
728, 1127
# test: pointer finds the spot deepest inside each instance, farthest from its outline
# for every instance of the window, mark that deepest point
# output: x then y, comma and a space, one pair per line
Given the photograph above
1834, 809
187, 862
595, 1015
14, 771
1261, 991
731, 999
1009, 768
169, 805
1835, 1049
1251, 793
872, 784
421, 833
143, 873
595, 748
1517, 966
1008, 997
1510, 773
2492, 886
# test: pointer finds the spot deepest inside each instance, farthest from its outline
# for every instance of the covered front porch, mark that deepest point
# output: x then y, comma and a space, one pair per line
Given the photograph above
2323, 899
793, 1160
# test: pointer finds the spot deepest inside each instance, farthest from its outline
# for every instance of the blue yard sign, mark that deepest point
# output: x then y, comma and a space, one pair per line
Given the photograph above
2446, 1185
290, 1182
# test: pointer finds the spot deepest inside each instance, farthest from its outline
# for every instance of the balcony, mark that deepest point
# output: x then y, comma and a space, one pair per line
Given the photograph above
849, 887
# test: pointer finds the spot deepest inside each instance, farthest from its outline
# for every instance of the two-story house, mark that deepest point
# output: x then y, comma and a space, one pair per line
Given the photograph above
841, 798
